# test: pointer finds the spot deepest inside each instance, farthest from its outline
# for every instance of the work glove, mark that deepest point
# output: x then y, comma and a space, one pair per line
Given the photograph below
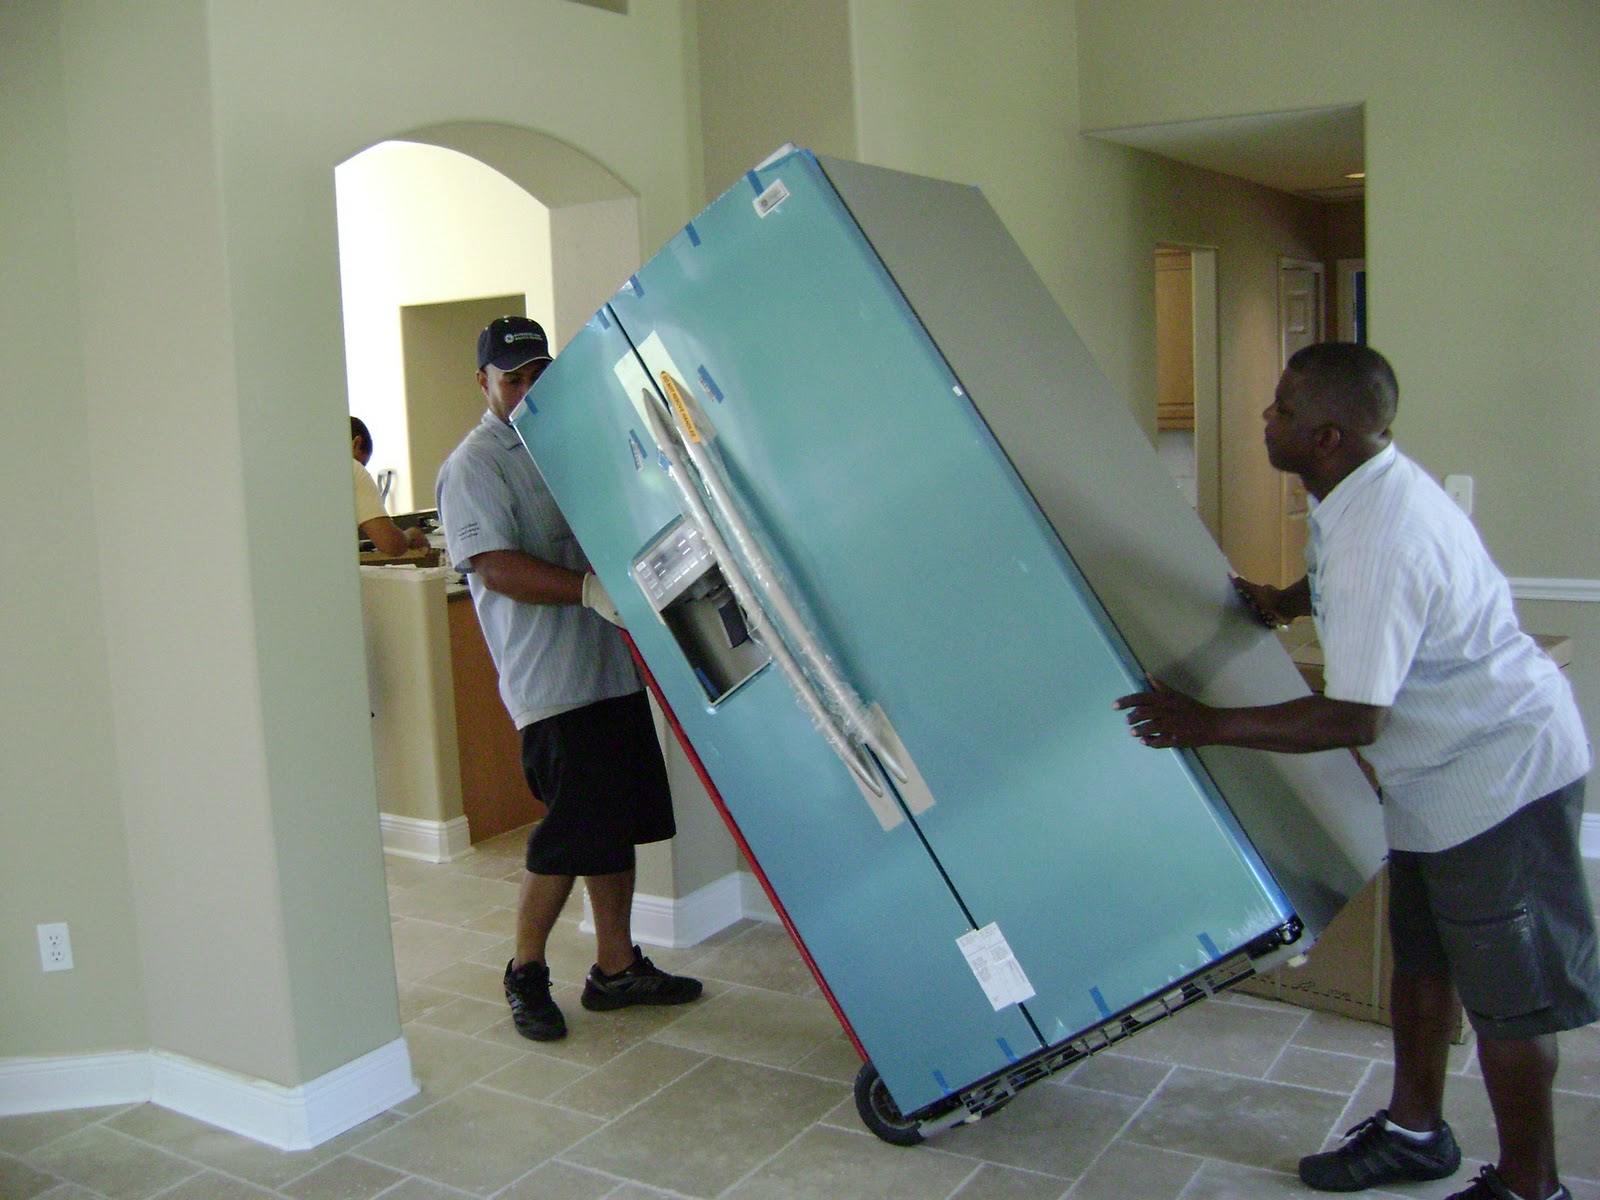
595, 597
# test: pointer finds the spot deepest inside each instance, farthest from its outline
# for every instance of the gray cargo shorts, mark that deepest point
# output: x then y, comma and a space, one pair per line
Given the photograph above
1508, 916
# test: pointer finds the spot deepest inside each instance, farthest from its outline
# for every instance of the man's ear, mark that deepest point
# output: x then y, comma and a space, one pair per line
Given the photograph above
1328, 438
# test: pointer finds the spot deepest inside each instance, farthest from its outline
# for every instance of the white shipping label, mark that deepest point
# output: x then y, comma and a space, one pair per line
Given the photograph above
997, 970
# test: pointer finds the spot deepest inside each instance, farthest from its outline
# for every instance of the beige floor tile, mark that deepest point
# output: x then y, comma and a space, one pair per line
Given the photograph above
1127, 1169
709, 1129
422, 1189
208, 1185
478, 1140
1052, 1130
20, 1134
835, 1059
1219, 1037
628, 1079
1118, 1074
444, 1062
826, 1164
1247, 1121
990, 1182
773, 1028
560, 1181
477, 981
231, 1154
19, 1181
763, 957
422, 948
1580, 1061
1304, 1067
111, 1163
534, 1075
1231, 1181
345, 1178
455, 898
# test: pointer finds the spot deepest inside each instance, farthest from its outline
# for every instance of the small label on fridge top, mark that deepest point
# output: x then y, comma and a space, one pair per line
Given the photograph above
775, 195
997, 970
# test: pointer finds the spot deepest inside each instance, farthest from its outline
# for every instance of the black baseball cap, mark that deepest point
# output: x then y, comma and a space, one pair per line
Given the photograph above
510, 342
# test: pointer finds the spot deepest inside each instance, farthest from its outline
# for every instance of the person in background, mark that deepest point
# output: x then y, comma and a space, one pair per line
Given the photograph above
373, 521
567, 677
1481, 755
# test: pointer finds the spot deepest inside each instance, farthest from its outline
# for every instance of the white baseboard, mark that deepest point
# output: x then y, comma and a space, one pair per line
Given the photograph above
34, 1085
431, 841
286, 1118
674, 924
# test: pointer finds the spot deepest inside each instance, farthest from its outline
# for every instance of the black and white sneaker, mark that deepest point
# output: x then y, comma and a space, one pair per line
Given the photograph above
534, 1013
1373, 1155
641, 983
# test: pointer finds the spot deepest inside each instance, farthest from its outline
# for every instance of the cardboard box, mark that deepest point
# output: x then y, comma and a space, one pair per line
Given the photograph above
1348, 970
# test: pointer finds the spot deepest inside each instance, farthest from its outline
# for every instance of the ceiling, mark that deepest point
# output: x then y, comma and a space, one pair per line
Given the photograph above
1306, 153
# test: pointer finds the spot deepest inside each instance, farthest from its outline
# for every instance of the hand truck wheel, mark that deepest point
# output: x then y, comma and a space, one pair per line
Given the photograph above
880, 1113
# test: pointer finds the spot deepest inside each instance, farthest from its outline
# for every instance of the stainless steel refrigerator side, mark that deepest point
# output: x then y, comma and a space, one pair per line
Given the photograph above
839, 875
1145, 554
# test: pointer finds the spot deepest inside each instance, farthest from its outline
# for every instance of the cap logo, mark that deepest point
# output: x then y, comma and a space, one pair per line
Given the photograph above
525, 336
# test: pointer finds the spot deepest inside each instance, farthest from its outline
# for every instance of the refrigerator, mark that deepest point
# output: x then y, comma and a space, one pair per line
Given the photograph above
888, 547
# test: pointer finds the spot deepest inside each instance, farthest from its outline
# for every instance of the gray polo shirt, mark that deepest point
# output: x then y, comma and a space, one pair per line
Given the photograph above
550, 657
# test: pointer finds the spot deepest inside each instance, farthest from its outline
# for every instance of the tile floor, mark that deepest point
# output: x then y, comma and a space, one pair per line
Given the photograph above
745, 1095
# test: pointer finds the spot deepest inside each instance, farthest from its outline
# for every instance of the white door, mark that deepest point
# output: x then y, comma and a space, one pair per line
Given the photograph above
1300, 323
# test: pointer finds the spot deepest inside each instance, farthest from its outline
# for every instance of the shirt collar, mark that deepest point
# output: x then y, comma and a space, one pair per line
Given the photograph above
1344, 492
499, 430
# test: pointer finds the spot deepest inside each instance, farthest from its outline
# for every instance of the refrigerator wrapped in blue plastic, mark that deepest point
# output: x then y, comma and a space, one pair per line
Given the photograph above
888, 547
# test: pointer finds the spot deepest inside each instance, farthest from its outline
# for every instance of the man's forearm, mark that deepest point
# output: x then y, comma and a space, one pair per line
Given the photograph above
1301, 726
528, 579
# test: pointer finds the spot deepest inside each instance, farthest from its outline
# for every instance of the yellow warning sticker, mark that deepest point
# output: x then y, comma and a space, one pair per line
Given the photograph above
679, 405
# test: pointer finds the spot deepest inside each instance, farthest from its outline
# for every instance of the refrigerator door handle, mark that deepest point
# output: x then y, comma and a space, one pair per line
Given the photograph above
696, 511
699, 442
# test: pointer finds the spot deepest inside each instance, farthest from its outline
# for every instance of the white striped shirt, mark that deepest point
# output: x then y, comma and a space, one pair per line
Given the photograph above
550, 657
1415, 617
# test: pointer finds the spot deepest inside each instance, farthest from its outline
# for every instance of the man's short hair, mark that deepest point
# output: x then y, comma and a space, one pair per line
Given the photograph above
358, 432
1354, 381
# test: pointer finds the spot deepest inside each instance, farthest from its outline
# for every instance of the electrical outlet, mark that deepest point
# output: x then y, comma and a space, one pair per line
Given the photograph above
1459, 488
55, 947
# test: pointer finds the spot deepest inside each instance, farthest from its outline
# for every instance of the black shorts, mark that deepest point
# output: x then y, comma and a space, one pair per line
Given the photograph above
1508, 916
598, 769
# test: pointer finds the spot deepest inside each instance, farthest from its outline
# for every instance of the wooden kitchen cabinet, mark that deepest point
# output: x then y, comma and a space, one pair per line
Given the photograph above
494, 795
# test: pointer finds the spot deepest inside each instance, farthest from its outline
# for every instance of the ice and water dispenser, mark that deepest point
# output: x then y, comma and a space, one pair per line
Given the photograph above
681, 578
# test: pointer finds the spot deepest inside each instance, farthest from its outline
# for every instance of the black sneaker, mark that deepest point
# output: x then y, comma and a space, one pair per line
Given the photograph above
534, 1012
1489, 1186
1371, 1156
641, 983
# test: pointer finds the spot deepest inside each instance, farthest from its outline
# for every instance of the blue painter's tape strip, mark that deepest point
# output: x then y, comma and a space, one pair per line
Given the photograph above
711, 385
694, 236
638, 288
1100, 1002
605, 321
938, 1077
1210, 947
636, 447
1005, 1048
755, 181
